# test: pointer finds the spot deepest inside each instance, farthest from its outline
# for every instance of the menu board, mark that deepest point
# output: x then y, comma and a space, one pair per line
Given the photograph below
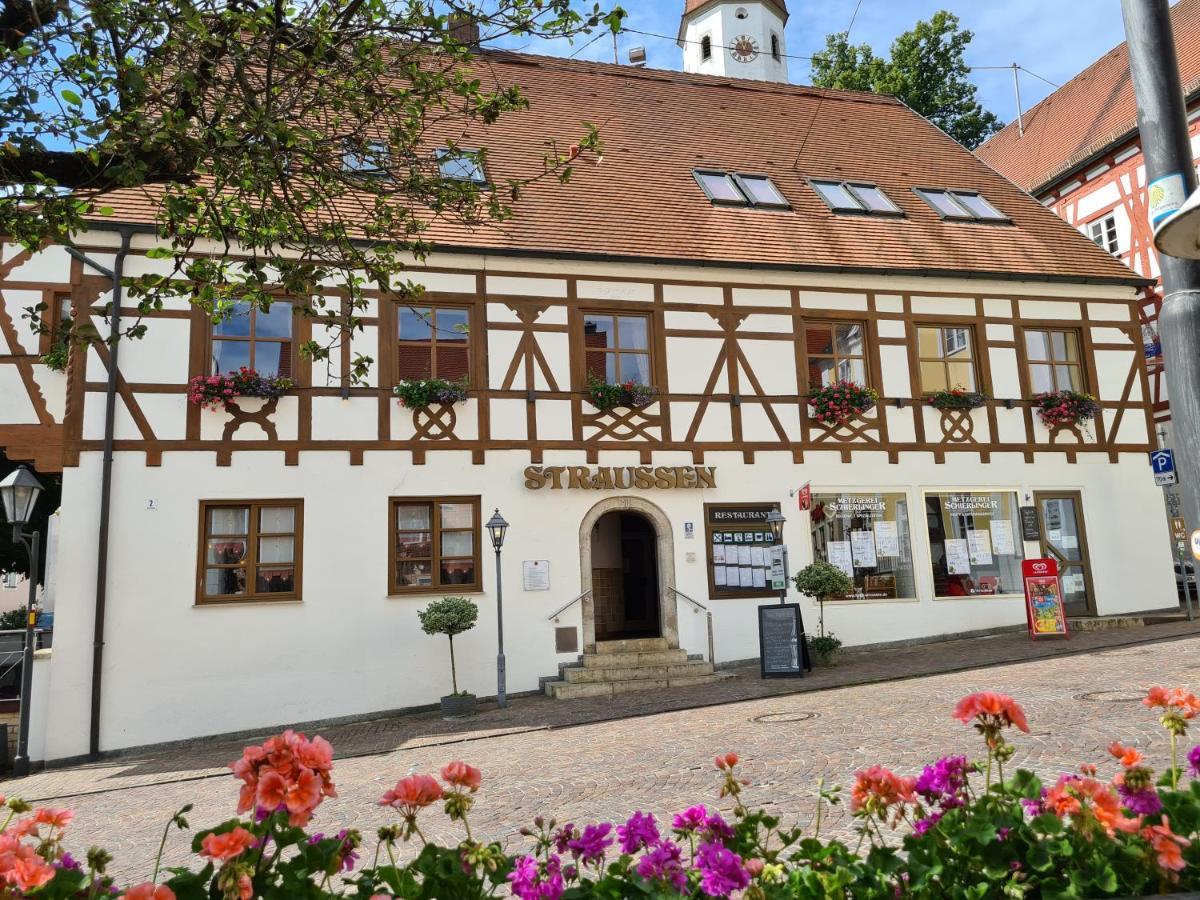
783, 650
739, 549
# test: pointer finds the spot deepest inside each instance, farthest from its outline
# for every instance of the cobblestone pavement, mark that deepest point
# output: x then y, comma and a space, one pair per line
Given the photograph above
585, 761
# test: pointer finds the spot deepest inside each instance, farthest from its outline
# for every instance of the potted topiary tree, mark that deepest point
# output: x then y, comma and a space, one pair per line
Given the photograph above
451, 616
822, 581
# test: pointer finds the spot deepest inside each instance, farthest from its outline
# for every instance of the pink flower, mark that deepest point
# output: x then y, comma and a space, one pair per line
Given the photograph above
459, 774
149, 891
992, 707
227, 846
412, 793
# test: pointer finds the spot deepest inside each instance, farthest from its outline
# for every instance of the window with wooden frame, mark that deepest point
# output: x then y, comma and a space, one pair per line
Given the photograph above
837, 351
947, 358
56, 319
617, 347
255, 338
249, 550
433, 342
1054, 360
434, 544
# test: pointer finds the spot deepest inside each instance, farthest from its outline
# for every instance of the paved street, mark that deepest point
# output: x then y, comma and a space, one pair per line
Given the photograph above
1076, 704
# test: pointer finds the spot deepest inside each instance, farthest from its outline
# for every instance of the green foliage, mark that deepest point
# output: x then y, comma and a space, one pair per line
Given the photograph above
605, 396
825, 647
419, 394
449, 616
821, 581
12, 619
290, 145
956, 398
926, 71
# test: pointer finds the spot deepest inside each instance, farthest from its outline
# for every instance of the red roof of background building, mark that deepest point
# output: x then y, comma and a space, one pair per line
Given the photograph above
1088, 114
641, 201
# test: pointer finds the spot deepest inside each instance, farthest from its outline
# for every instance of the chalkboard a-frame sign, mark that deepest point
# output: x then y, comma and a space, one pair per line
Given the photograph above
782, 648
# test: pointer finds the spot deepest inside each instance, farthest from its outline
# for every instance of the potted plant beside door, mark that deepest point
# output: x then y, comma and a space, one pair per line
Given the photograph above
451, 616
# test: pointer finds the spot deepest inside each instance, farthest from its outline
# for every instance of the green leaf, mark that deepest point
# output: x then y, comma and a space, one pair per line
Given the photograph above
71, 97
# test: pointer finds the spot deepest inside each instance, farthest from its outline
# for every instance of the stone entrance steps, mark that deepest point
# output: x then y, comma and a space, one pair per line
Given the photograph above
619, 667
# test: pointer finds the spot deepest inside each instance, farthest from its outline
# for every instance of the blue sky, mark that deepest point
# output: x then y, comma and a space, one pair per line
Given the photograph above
1054, 38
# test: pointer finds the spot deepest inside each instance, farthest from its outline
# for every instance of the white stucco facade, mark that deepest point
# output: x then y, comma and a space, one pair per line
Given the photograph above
175, 668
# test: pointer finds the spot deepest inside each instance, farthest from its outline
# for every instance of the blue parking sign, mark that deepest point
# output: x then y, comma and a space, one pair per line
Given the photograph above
1163, 464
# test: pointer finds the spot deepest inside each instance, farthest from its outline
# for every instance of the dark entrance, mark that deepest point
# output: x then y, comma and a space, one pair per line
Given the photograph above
625, 577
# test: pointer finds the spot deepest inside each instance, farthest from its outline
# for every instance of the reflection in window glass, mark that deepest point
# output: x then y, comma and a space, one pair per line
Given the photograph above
945, 358
460, 165
720, 187
836, 352
975, 543
250, 550
433, 342
836, 195
435, 544
762, 191
1054, 362
617, 348
253, 338
867, 536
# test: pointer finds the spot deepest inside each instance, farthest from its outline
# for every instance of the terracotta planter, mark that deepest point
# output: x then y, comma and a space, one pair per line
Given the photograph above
458, 706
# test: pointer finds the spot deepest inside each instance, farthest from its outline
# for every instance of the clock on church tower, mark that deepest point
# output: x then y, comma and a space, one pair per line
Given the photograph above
737, 38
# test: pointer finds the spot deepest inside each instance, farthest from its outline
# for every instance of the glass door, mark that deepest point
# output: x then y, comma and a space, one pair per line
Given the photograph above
1063, 539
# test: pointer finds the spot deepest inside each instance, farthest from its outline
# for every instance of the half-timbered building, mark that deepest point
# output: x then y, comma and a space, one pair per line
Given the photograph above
739, 244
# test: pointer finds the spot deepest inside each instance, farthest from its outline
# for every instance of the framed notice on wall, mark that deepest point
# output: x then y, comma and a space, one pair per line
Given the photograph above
1044, 611
738, 546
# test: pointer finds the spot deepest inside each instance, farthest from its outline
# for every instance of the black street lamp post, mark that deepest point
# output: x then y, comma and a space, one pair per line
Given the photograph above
776, 519
19, 493
497, 528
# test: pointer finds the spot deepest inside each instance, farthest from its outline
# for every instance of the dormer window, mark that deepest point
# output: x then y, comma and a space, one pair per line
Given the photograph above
858, 197
961, 206
457, 164
706, 47
740, 189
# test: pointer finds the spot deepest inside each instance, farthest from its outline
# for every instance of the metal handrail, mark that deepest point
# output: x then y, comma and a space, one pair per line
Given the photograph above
679, 593
700, 607
558, 612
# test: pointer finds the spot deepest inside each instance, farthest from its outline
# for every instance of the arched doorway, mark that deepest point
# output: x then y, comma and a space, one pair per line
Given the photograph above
628, 573
625, 577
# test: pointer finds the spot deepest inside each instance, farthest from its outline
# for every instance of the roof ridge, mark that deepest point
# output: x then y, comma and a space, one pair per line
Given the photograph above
675, 75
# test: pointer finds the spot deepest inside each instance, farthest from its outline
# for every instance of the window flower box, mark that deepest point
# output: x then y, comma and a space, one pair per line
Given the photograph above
426, 392
218, 392
1059, 409
842, 401
957, 398
605, 396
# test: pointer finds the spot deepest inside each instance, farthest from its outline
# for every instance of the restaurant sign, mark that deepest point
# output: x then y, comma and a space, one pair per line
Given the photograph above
619, 478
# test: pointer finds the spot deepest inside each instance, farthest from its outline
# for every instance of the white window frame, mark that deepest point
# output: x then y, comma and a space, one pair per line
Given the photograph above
1103, 232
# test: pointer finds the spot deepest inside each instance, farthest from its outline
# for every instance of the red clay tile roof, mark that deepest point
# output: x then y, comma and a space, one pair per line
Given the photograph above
641, 202
691, 6
1088, 114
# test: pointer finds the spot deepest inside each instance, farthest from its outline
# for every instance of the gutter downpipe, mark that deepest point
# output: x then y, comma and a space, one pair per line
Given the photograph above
110, 406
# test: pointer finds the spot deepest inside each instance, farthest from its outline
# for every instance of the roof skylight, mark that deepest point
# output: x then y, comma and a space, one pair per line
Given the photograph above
461, 165
740, 189
961, 206
855, 197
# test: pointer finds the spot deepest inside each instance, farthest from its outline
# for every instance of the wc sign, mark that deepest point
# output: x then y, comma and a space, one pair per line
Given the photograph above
1163, 464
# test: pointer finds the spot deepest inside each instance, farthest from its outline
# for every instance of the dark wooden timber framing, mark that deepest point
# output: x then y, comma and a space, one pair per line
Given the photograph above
744, 387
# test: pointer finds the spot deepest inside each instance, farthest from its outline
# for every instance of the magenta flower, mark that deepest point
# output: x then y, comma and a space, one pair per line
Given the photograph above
945, 782
591, 844
691, 819
1194, 761
721, 870
923, 825
529, 882
1144, 802
640, 831
664, 863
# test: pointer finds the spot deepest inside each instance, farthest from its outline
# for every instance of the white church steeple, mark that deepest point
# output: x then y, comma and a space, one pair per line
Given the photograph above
737, 38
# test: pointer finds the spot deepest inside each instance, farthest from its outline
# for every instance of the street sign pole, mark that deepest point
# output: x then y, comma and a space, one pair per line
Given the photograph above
1170, 178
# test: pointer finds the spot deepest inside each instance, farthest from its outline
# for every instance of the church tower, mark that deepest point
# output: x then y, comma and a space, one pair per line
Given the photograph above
735, 38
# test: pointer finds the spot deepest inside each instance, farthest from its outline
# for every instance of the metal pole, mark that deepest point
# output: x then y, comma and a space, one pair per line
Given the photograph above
1017, 91
1166, 148
1187, 590
501, 699
21, 762
783, 593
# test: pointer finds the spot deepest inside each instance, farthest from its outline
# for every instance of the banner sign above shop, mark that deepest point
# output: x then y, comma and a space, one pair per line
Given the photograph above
619, 478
